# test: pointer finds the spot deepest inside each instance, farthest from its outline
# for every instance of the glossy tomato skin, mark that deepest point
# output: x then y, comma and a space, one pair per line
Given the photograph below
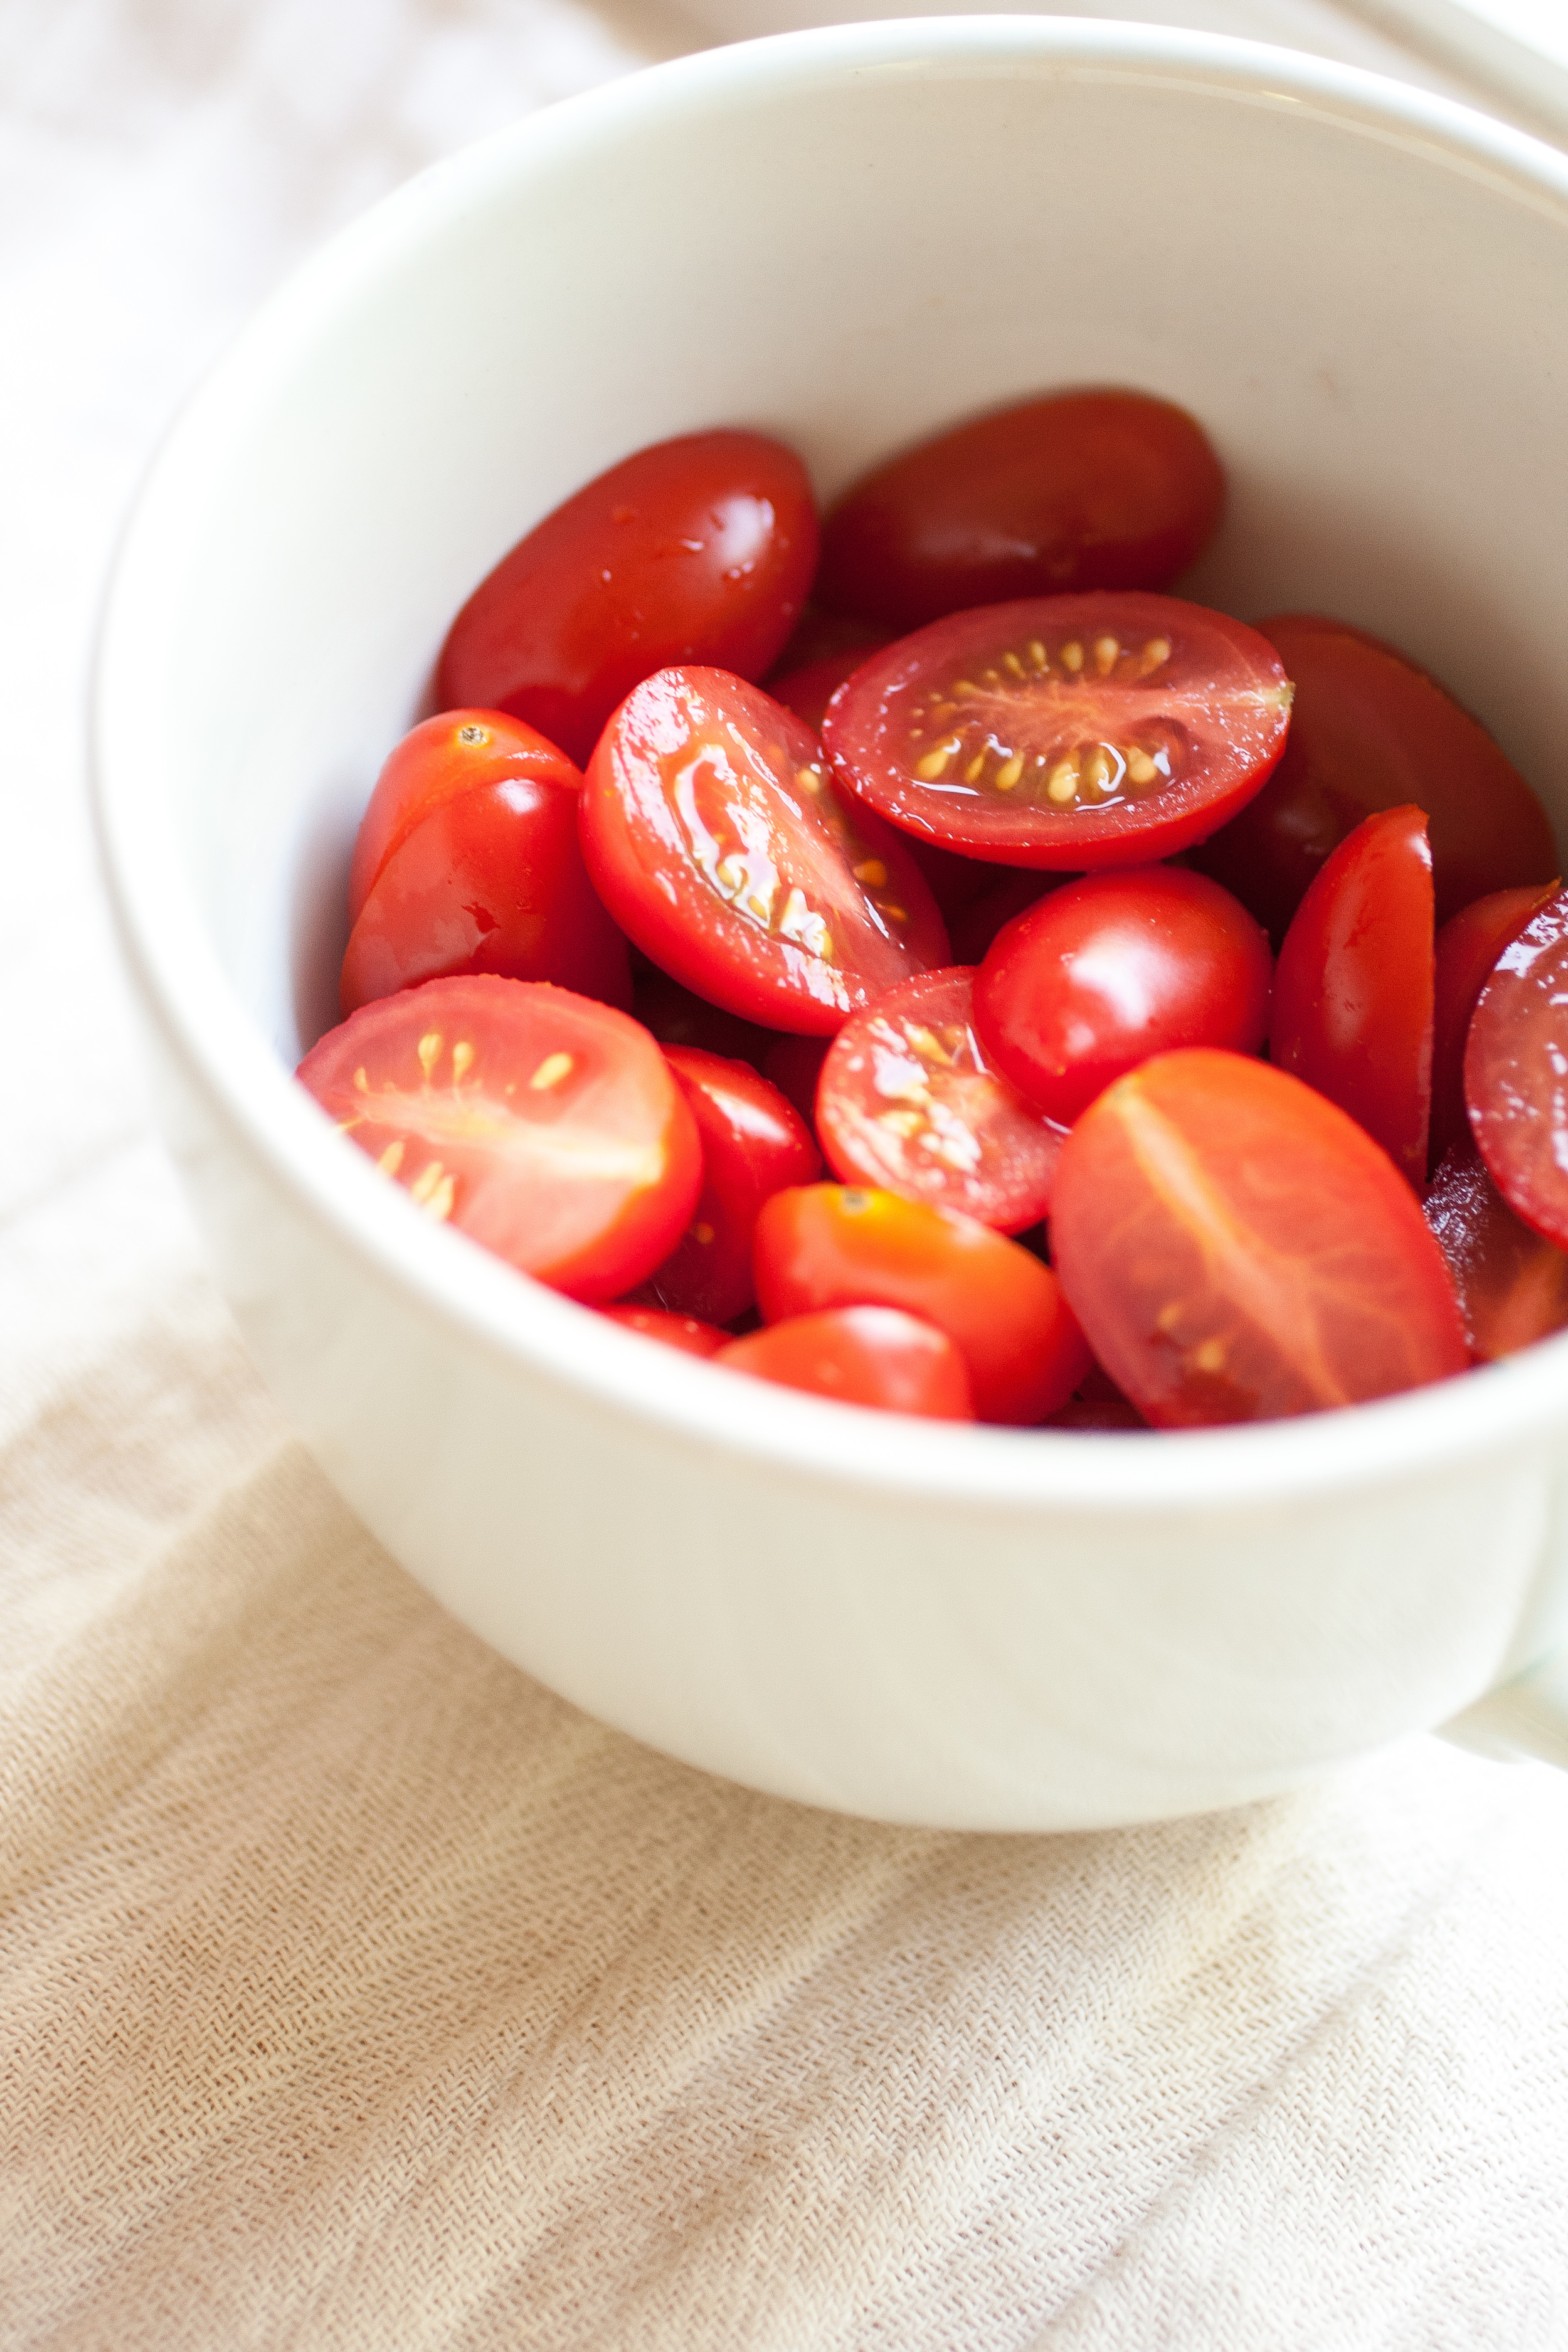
1237, 1248
827, 1245
1065, 733
1371, 730
754, 1144
697, 550
1514, 1058
1110, 969
686, 1332
1512, 1286
908, 1102
456, 751
1354, 989
715, 837
545, 1127
875, 1356
1465, 954
1082, 490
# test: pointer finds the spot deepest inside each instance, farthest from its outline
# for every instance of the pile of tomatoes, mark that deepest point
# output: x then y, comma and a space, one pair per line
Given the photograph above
1175, 1001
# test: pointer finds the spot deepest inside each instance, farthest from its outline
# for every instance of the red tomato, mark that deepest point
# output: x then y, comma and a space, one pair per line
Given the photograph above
1068, 732
456, 751
1370, 730
1082, 489
861, 1355
1512, 1286
1467, 949
721, 846
908, 1102
1353, 993
547, 1128
754, 1144
822, 1246
1110, 969
1237, 1248
698, 549
676, 1017
682, 1331
1514, 1065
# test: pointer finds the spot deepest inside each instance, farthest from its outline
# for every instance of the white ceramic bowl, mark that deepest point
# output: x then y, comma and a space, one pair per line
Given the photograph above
846, 238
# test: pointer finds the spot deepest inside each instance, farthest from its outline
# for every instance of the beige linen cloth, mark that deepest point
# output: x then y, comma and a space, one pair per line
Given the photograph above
355, 1991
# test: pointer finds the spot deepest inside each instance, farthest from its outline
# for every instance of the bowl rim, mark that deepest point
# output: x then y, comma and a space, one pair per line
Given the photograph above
1434, 1432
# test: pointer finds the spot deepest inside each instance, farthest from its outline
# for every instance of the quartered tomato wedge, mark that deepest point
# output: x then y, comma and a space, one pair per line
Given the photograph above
1515, 1064
1066, 731
860, 1355
1512, 1286
546, 1127
908, 1100
1467, 950
721, 845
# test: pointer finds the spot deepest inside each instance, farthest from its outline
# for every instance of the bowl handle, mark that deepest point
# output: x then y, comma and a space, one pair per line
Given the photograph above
1525, 1718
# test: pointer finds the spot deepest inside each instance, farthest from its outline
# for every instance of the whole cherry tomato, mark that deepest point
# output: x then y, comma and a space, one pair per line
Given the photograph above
908, 1101
1101, 975
821, 1245
1514, 1065
698, 549
1080, 490
1465, 950
1237, 1248
547, 1128
1354, 989
860, 1355
754, 1144
1512, 1286
683, 1331
1066, 732
1370, 730
717, 841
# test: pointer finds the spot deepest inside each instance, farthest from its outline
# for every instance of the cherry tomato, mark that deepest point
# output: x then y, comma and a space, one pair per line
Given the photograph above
1467, 949
1353, 993
1068, 732
754, 1144
1514, 1066
1370, 730
682, 1331
1101, 975
860, 1355
908, 1102
821, 1245
468, 861
1236, 1247
677, 1017
698, 549
1512, 1286
719, 843
1082, 489
795, 1064
545, 1127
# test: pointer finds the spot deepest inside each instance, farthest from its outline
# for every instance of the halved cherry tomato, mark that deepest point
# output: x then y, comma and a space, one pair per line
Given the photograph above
1080, 489
821, 1245
875, 1356
1066, 732
1101, 975
683, 1331
1371, 730
717, 841
1512, 1286
1514, 1065
754, 1144
908, 1101
1465, 950
698, 549
1354, 989
468, 861
1236, 1247
547, 1128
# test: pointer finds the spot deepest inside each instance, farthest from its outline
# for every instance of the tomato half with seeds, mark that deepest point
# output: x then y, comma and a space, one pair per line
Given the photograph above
1465, 955
1238, 1248
825, 1245
1353, 987
1515, 1062
1512, 1286
875, 1356
715, 835
754, 1144
545, 1127
1068, 732
909, 1102
697, 550
1080, 489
